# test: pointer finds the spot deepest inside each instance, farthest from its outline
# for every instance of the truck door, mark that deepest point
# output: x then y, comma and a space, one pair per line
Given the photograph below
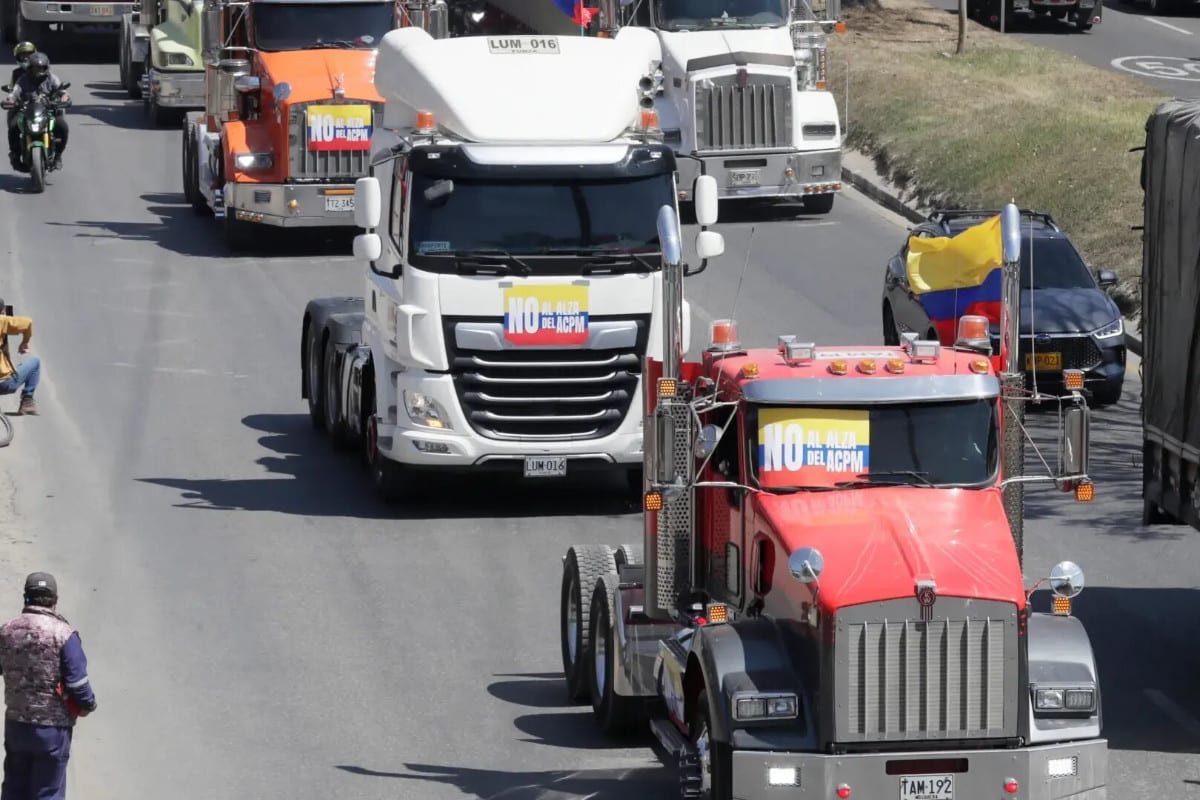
724, 513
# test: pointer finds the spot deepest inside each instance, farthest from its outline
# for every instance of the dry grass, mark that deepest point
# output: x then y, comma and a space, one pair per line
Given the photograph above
1007, 120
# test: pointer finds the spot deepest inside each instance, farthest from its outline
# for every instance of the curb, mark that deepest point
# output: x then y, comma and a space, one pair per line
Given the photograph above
891, 202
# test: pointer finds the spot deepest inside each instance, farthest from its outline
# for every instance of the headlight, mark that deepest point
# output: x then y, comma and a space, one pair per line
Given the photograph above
248, 161
1111, 330
755, 706
1069, 699
179, 60
424, 410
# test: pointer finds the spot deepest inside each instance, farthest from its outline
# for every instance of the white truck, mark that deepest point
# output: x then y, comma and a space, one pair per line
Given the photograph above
513, 270
42, 21
743, 85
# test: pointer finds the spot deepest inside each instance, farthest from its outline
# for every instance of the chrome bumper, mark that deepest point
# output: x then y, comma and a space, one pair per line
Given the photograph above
75, 13
754, 175
1038, 772
175, 89
300, 205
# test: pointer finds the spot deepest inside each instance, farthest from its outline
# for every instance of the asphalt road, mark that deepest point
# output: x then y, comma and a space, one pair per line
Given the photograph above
1159, 50
260, 626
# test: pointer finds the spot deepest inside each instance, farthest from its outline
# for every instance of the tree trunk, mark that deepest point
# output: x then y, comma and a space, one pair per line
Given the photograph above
962, 28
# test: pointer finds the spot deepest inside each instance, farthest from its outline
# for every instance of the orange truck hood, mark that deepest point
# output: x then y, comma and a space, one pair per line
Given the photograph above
314, 74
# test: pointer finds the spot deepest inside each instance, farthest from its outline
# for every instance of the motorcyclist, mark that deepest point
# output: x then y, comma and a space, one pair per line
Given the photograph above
38, 79
22, 53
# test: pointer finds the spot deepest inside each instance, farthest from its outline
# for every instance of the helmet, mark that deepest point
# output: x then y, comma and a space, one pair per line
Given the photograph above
23, 51
39, 65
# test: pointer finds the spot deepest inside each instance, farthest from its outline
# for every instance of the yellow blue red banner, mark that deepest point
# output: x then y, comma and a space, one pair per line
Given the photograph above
812, 447
346, 127
955, 276
546, 315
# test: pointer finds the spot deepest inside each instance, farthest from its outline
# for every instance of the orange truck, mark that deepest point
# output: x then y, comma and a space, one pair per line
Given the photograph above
290, 106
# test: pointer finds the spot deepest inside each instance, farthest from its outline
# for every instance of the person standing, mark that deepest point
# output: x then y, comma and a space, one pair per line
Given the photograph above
46, 688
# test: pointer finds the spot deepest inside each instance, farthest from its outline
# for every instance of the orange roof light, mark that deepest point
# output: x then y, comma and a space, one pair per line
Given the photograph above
895, 365
980, 366
973, 332
867, 366
425, 121
649, 120
839, 367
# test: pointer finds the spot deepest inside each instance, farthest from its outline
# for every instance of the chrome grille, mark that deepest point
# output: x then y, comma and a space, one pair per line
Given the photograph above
546, 394
900, 679
331, 164
756, 116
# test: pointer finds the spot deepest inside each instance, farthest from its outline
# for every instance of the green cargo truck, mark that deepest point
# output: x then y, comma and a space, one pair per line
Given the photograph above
160, 57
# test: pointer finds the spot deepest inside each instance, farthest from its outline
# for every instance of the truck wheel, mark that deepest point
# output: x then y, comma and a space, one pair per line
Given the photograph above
630, 554
392, 482
618, 715
1152, 514
316, 389
334, 422
714, 759
819, 203
891, 335
583, 566
8, 20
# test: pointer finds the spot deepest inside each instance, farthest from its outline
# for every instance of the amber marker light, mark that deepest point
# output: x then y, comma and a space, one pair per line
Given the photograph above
1085, 492
895, 365
867, 366
839, 367
653, 501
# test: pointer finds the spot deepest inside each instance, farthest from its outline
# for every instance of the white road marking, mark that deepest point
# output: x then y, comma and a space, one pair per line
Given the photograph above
1168, 26
1170, 68
1172, 709
182, 371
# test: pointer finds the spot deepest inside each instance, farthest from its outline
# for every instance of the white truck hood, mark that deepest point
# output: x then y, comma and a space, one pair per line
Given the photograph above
725, 48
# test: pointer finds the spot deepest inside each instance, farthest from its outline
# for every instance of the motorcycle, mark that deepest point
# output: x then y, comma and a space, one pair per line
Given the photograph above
35, 121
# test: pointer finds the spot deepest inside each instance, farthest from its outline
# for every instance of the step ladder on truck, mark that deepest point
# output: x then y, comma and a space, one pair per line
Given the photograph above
828, 596
512, 271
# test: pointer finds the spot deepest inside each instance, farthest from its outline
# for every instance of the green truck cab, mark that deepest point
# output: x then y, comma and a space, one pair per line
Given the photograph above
160, 57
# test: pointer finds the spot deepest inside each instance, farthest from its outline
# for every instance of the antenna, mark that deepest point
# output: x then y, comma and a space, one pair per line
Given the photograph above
745, 266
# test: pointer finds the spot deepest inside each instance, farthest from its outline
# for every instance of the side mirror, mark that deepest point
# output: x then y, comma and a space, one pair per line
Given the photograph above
1066, 579
707, 440
705, 196
367, 203
1106, 278
368, 247
246, 84
668, 235
709, 244
1073, 444
806, 564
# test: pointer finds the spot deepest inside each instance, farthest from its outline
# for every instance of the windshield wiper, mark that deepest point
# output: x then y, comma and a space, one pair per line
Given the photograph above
599, 261
867, 479
339, 44
494, 260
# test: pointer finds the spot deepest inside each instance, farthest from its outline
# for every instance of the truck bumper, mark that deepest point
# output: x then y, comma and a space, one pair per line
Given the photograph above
460, 447
753, 175
75, 13
1038, 771
177, 89
291, 205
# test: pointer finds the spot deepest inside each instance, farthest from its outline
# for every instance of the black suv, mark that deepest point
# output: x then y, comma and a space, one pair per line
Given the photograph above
1074, 324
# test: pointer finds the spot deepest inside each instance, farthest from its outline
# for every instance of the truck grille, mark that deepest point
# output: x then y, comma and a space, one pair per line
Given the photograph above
901, 679
325, 165
544, 394
757, 116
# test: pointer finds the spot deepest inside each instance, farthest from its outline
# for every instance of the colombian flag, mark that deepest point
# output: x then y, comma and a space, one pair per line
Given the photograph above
955, 276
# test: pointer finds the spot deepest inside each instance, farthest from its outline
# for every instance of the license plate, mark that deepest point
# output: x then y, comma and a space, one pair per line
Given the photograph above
341, 202
927, 787
743, 177
1044, 361
102, 11
537, 467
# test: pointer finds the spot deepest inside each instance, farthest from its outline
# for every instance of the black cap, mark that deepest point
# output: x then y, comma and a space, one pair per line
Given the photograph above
41, 583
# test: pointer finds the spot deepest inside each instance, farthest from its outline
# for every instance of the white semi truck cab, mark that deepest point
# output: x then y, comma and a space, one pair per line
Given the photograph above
513, 266
743, 86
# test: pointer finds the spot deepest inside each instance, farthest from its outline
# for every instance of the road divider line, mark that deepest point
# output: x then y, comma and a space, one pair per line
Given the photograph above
1173, 710
1168, 26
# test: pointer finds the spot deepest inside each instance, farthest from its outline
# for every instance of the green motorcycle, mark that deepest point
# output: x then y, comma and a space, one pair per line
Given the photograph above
35, 121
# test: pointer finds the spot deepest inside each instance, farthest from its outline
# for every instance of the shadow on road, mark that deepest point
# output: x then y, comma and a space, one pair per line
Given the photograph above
646, 783
322, 483
109, 90
1023, 23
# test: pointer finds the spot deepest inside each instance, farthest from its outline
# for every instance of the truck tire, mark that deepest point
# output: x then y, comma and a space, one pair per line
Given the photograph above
393, 483
335, 424
630, 554
714, 759
891, 334
617, 715
1152, 514
582, 567
316, 387
8, 20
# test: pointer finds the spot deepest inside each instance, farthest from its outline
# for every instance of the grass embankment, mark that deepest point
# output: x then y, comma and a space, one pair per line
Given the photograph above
1006, 120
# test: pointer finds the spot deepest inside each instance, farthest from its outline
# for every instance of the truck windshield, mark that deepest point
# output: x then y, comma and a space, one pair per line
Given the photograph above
682, 15
303, 26
553, 226
921, 444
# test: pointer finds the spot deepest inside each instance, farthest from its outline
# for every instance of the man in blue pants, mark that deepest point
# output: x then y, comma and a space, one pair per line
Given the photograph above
45, 688
23, 377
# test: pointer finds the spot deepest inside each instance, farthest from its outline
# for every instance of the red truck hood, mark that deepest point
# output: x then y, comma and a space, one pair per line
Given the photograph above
877, 542
313, 74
